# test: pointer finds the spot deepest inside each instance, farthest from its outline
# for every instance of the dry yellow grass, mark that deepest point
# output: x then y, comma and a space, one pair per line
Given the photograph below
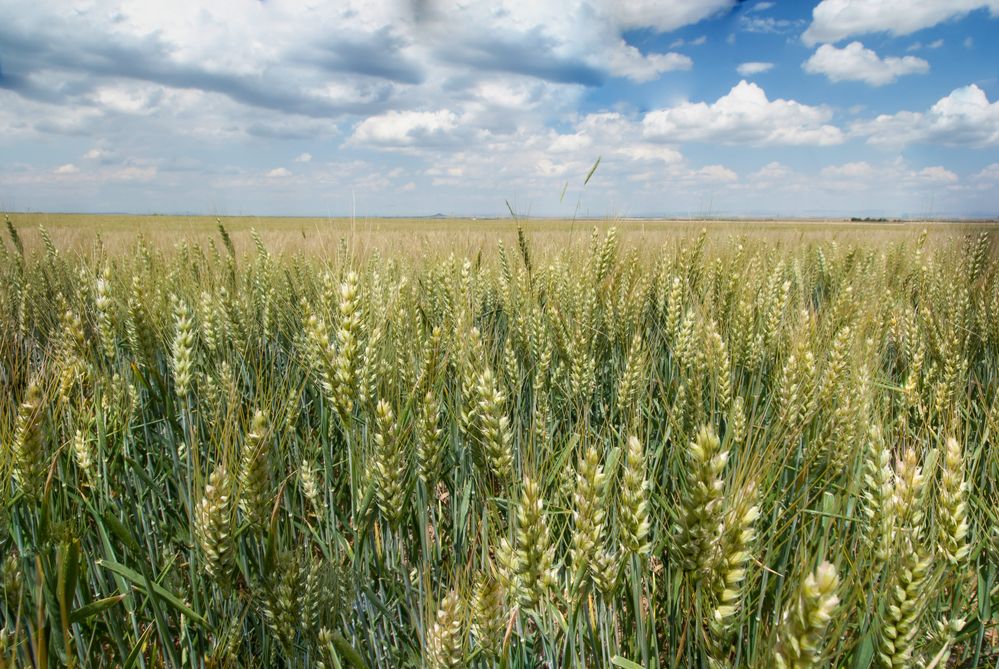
430, 235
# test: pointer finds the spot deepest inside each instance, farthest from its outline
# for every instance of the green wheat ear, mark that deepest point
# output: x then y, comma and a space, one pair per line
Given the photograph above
589, 518
445, 646
28, 445
803, 627
254, 473
951, 506
535, 555
732, 558
213, 526
494, 426
906, 605
633, 500
183, 349
390, 467
15, 238
701, 506
489, 616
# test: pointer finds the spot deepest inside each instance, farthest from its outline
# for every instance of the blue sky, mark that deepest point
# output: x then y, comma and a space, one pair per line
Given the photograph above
396, 107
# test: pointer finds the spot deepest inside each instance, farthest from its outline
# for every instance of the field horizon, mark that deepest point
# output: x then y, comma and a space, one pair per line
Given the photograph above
311, 234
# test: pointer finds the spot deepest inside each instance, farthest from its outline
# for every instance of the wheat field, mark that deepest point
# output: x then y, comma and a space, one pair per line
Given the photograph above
631, 448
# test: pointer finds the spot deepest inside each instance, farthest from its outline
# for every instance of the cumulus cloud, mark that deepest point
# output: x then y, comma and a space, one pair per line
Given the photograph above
937, 173
963, 118
894, 188
99, 155
744, 116
665, 16
613, 135
862, 175
859, 169
406, 128
480, 101
833, 20
751, 68
989, 173
650, 152
771, 171
570, 143
854, 62
332, 61
717, 173
579, 42
627, 61
134, 173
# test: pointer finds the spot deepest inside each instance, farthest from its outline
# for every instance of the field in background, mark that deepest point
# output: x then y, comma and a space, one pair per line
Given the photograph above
432, 234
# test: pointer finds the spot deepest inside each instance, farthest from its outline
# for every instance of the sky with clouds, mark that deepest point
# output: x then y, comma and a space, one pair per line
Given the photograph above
397, 107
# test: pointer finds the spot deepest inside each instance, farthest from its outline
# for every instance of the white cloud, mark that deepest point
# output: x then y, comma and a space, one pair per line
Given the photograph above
860, 169
935, 44
937, 173
134, 173
989, 173
716, 173
854, 62
570, 143
508, 94
303, 158
97, 153
664, 16
963, 118
128, 97
627, 61
68, 168
466, 96
751, 68
405, 128
833, 20
287, 70
613, 136
651, 152
894, 175
770, 171
743, 116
